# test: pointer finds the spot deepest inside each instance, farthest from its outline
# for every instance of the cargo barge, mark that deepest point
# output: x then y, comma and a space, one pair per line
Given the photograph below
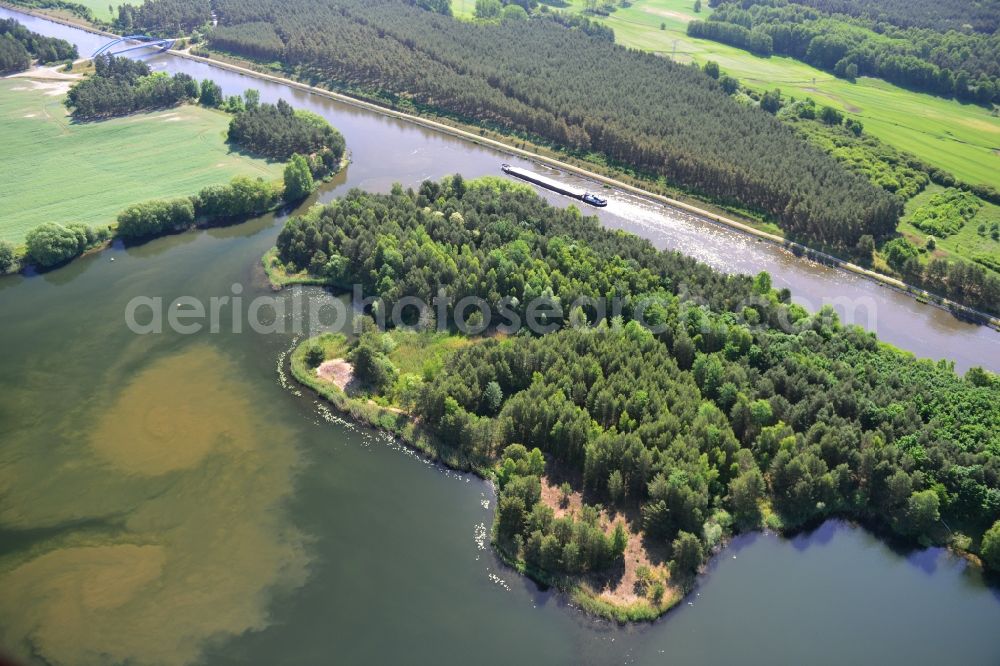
554, 185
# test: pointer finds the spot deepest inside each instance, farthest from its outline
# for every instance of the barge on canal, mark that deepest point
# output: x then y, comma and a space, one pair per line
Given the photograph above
554, 185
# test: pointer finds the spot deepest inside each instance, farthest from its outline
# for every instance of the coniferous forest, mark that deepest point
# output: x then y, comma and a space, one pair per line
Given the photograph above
740, 402
560, 85
169, 18
121, 86
278, 131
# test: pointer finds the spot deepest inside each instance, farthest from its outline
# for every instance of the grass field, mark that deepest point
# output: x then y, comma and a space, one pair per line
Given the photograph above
54, 170
968, 242
414, 352
103, 10
101, 7
961, 138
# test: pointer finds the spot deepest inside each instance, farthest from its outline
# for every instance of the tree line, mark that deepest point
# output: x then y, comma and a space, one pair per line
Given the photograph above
14, 57
442, 7
53, 244
893, 170
242, 198
733, 34
740, 403
345, 244
50, 244
953, 63
561, 86
956, 278
582, 23
18, 46
981, 15
310, 145
974, 284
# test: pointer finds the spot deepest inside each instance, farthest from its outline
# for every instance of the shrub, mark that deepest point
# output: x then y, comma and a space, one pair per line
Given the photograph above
315, 356
152, 218
514, 13
371, 365
771, 101
50, 244
8, 259
565, 490
687, 555
991, 547
898, 251
729, 84
831, 116
243, 197
865, 247
946, 212
298, 179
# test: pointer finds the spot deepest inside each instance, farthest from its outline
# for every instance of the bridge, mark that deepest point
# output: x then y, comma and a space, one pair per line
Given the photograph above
128, 41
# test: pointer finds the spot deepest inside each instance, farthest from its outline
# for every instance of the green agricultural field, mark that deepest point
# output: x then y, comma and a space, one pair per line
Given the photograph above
54, 170
961, 138
968, 243
463, 9
104, 10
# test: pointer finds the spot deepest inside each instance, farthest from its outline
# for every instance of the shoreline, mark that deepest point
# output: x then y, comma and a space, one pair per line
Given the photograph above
920, 295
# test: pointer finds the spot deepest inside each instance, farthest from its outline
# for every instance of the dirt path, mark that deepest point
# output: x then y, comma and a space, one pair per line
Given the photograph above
668, 13
46, 74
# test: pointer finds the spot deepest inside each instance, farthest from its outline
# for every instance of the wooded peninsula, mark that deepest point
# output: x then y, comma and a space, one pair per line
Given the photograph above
743, 411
